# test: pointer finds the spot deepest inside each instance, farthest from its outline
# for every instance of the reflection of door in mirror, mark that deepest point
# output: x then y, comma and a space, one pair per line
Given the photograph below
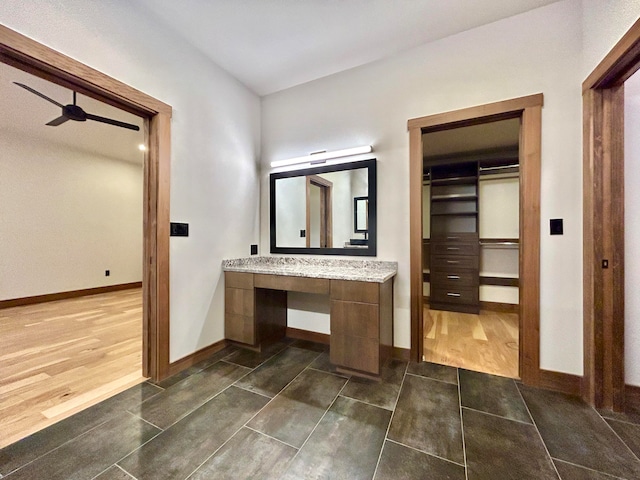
319, 212
361, 214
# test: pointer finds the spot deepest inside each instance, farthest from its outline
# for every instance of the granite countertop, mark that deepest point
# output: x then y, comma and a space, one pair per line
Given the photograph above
334, 269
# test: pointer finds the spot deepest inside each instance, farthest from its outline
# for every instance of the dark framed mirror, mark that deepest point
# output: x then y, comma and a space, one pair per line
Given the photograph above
320, 211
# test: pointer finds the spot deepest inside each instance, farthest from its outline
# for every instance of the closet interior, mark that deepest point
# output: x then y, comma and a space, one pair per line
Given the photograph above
471, 245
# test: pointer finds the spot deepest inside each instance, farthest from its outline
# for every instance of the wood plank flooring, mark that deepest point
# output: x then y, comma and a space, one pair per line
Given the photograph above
486, 343
57, 358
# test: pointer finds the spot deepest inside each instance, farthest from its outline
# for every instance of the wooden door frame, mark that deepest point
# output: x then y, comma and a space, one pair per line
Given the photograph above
26, 54
326, 212
529, 110
603, 222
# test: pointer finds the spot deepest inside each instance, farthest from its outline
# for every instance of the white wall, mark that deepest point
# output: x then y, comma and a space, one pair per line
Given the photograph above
632, 230
214, 143
66, 217
371, 105
604, 23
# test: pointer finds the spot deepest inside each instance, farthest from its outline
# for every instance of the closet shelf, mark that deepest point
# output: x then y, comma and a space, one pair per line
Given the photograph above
454, 196
500, 243
454, 180
458, 214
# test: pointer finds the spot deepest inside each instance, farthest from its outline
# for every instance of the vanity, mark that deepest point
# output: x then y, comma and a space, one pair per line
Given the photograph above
361, 311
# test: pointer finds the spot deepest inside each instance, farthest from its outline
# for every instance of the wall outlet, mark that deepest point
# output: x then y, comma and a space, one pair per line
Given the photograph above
254, 249
303, 233
107, 273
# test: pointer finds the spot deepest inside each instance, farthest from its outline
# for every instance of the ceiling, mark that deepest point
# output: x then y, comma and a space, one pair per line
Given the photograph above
271, 45
25, 114
503, 135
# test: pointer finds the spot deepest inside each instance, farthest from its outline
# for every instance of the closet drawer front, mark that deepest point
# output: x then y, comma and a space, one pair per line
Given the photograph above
455, 248
454, 279
454, 295
446, 263
456, 238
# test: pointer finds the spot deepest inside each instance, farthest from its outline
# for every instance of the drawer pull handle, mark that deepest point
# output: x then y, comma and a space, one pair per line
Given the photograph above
453, 238
453, 262
453, 277
453, 248
449, 294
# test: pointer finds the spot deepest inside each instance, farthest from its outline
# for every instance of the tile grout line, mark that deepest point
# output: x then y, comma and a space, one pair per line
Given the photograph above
367, 403
538, 431
269, 436
118, 466
271, 399
56, 448
464, 445
434, 379
135, 449
618, 436
495, 415
608, 475
386, 434
425, 453
318, 423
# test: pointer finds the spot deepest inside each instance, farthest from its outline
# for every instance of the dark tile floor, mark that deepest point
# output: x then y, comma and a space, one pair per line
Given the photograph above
286, 414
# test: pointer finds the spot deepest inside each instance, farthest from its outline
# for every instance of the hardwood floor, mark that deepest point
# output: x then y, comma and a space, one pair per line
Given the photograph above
59, 357
484, 343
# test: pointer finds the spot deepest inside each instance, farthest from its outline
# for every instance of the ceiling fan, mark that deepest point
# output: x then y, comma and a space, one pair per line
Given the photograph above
74, 112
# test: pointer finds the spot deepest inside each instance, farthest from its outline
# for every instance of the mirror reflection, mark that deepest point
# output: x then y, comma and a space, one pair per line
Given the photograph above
323, 210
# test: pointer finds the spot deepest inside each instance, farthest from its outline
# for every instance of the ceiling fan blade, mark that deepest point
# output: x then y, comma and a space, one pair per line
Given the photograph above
112, 122
58, 121
39, 94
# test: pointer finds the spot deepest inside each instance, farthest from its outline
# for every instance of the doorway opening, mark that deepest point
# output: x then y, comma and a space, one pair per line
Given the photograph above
470, 223
528, 112
319, 212
30, 56
605, 382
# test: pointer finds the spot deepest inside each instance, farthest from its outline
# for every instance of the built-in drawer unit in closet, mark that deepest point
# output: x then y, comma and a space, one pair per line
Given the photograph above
454, 243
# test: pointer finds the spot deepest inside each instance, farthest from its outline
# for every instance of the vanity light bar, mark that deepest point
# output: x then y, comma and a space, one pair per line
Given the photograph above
321, 156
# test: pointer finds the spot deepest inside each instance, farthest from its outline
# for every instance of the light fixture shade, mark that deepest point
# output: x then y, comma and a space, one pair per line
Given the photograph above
318, 157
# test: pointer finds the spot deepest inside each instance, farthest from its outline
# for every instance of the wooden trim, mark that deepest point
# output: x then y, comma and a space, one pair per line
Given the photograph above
490, 306
560, 382
529, 109
619, 64
603, 223
308, 335
52, 297
415, 239
403, 354
632, 398
24, 50
529, 252
471, 114
500, 307
198, 356
500, 281
29, 55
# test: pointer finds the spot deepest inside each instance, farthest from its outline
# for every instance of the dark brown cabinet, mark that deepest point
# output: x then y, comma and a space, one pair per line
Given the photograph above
361, 316
454, 246
361, 325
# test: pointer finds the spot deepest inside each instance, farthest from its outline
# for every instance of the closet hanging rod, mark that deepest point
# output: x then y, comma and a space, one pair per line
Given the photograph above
500, 167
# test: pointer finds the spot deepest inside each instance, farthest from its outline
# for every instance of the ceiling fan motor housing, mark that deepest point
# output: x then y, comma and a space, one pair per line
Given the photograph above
74, 112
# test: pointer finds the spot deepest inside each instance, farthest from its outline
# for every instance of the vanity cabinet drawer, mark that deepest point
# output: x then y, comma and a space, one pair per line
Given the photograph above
292, 284
448, 263
238, 301
357, 353
353, 291
454, 295
238, 280
240, 328
455, 248
239, 308
455, 279
355, 319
